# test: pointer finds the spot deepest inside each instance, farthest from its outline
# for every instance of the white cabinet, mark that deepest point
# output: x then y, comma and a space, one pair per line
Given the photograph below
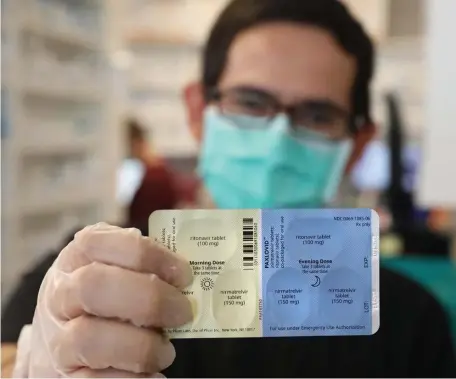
373, 14
397, 27
438, 185
390, 19
59, 125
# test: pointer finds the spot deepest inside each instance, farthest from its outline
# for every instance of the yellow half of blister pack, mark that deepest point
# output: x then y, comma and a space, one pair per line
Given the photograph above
225, 288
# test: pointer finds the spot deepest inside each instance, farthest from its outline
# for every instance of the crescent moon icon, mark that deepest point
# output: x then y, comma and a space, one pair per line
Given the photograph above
318, 282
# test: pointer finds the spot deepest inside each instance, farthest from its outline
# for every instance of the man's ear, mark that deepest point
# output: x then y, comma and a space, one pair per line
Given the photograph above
193, 96
362, 139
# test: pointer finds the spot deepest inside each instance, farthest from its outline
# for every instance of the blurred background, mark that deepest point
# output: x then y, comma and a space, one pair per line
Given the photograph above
73, 72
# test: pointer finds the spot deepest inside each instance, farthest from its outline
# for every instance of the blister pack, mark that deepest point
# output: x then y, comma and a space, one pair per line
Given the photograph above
276, 273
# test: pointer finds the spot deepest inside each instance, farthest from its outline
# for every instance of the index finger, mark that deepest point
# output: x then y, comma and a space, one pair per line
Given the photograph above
125, 248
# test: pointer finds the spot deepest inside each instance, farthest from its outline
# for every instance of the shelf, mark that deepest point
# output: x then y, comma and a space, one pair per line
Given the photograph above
62, 36
409, 48
147, 91
145, 37
45, 90
373, 15
71, 197
53, 149
67, 116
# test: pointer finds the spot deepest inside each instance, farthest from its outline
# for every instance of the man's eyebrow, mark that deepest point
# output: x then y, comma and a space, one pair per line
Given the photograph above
254, 90
324, 104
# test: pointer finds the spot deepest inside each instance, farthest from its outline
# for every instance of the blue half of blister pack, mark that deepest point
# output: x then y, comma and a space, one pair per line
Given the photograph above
320, 272
276, 273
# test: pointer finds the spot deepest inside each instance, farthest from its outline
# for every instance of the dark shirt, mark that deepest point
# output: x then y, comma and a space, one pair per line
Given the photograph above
413, 341
156, 191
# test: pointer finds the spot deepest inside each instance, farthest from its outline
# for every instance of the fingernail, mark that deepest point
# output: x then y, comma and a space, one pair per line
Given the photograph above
178, 312
181, 274
166, 357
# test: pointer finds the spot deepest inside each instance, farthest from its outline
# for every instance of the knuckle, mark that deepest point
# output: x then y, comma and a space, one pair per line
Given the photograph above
94, 233
82, 333
75, 338
154, 304
110, 241
86, 231
87, 281
89, 275
155, 281
68, 248
69, 257
142, 252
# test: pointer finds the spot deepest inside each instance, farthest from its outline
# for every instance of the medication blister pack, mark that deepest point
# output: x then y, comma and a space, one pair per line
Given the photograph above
276, 273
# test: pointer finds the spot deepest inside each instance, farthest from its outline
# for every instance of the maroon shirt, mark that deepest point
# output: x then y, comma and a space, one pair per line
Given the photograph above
157, 191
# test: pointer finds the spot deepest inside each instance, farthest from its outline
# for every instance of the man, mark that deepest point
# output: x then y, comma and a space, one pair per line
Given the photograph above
282, 110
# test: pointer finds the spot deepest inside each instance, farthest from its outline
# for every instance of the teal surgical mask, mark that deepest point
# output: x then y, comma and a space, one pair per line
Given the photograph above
253, 162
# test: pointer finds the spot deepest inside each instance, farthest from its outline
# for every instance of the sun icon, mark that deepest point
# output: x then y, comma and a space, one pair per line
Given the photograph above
207, 284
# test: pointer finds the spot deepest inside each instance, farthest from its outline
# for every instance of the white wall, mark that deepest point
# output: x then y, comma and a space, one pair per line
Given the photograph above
373, 14
438, 176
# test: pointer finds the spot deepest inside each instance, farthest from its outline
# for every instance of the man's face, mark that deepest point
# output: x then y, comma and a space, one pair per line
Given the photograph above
292, 63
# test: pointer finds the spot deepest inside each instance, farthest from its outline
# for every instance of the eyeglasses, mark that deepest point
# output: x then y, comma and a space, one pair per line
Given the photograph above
321, 116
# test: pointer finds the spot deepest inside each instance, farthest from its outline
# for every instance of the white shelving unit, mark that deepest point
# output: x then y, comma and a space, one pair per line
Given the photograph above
60, 138
397, 27
165, 57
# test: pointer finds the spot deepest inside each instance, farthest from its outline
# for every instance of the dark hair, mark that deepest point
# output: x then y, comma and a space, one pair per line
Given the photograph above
330, 15
135, 131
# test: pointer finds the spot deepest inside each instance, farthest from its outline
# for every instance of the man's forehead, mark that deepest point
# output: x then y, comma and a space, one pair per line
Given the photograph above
291, 59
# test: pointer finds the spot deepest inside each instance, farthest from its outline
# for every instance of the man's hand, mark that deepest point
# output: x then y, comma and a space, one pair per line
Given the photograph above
103, 304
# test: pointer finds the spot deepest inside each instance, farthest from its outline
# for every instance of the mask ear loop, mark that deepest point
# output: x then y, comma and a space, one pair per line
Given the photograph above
345, 149
343, 156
